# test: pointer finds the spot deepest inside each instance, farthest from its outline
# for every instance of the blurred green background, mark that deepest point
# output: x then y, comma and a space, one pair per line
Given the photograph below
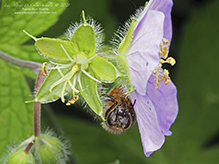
194, 45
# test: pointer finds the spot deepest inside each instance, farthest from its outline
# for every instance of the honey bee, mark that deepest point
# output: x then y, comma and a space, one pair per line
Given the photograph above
118, 111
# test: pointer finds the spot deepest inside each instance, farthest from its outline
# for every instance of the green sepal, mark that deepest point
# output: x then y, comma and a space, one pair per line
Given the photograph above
90, 92
20, 157
44, 95
103, 69
124, 69
51, 49
125, 43
84, 38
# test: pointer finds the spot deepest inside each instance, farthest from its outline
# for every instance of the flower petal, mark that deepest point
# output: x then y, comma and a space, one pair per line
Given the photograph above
151, 136
164, 99
165, 7
143, 53
155, 112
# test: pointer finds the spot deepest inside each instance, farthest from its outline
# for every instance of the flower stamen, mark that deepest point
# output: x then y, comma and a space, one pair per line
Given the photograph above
160, 74
66, 78
67, 53
72, 101
44, 69
86, 73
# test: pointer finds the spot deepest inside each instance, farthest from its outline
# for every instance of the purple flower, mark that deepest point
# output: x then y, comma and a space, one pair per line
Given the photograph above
156, 106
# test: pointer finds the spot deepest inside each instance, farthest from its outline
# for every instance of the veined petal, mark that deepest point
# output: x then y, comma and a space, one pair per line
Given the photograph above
165, 7
142, 57
151, 136
164, 99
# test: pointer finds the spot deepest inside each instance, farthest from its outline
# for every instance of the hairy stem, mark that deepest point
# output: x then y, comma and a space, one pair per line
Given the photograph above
19, 62
29, 146
37, 107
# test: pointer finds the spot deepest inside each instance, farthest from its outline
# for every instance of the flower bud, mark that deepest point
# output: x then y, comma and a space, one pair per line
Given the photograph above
20, 157
51, 150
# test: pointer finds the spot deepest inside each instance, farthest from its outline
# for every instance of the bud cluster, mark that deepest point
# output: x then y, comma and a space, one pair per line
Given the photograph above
44, 149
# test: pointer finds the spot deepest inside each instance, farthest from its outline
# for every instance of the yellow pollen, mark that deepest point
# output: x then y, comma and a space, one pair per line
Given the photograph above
162, 61
158, 72
166, 76
166, 41
164, 51
44, 69
72, 101
171, 61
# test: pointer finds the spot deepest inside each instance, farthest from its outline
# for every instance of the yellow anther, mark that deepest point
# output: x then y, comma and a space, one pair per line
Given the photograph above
164, 51
166, 75
166, 41
162, 78
44, 69
72, 101
171, 60
162, 61
158, 72
167, 81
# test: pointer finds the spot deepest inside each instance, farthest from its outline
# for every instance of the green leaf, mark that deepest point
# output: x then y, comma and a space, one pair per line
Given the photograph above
25, 52
84, 38
51, 49
16, 16
90, 92
105, 70
16, 117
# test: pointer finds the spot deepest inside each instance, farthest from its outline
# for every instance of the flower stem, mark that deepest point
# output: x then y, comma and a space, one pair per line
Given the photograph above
29, 146
19, 62
36, 124
37, 107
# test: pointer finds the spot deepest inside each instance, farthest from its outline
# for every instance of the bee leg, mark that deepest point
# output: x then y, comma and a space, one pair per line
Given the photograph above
109, 98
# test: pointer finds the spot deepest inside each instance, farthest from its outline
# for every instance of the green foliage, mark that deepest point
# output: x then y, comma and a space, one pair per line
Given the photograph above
15, 115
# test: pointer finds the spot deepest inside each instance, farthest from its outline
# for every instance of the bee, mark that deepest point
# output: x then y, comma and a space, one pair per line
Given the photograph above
118, 111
